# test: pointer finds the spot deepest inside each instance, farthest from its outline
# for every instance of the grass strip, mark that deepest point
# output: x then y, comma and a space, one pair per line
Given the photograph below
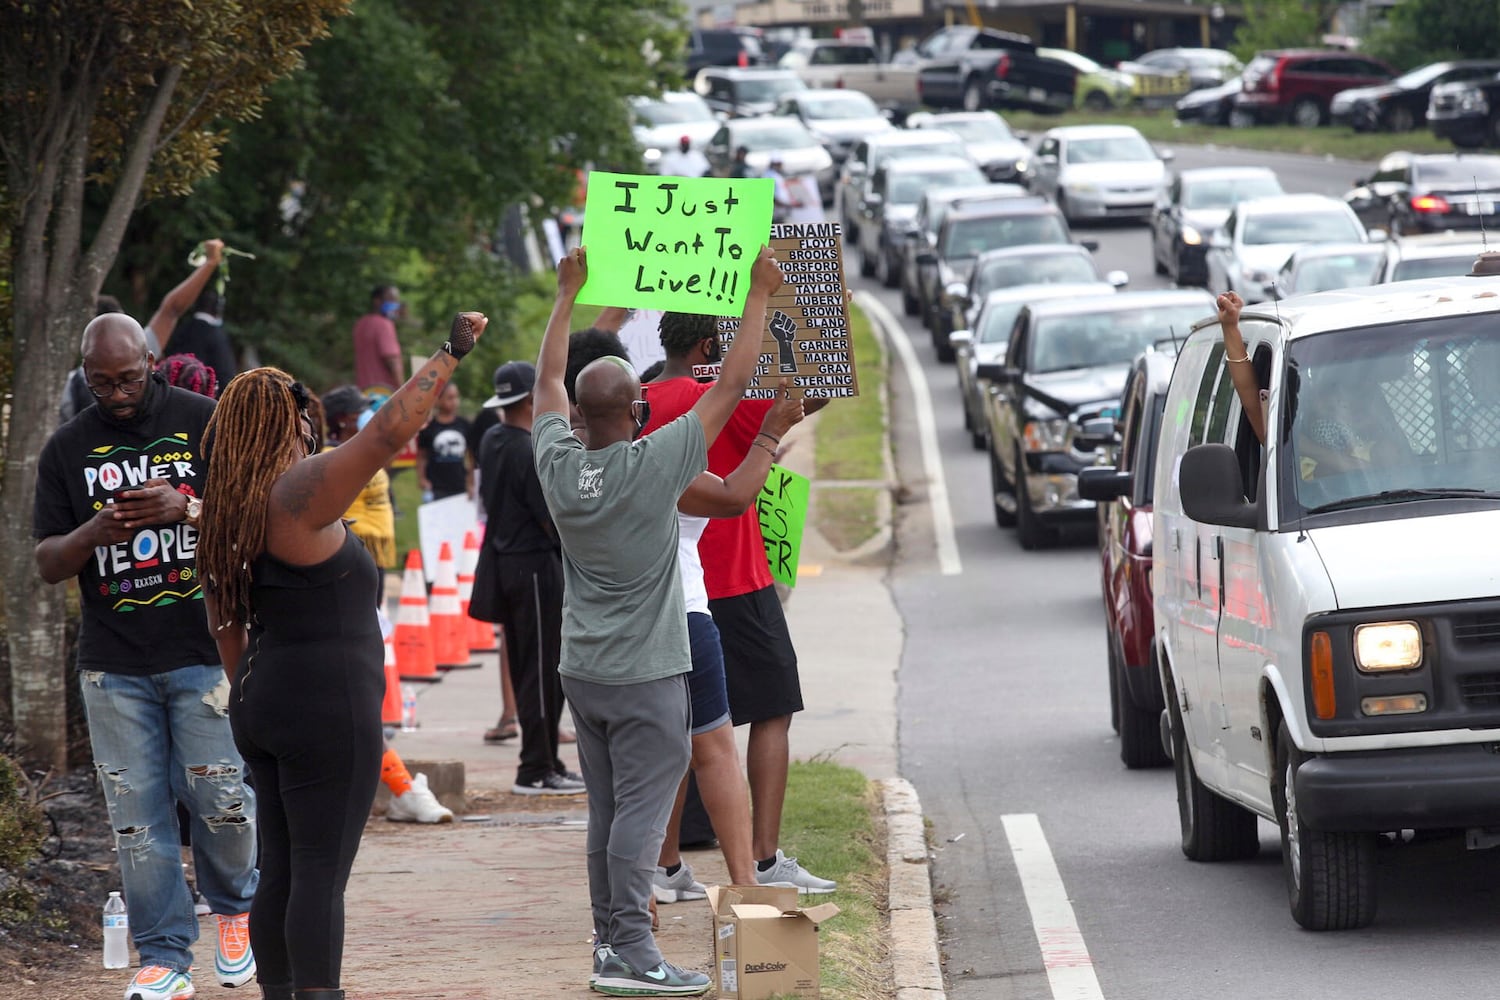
847, 516
851, 432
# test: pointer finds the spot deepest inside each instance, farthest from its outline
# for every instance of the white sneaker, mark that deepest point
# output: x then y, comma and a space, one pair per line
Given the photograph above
418, 805
677, 888
786, 871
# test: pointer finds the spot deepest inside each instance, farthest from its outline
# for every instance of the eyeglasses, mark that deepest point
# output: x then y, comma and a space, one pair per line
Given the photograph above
128, 386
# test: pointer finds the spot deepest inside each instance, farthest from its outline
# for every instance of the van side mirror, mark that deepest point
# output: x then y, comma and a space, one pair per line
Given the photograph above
1103, 483
993, 371
1213, 491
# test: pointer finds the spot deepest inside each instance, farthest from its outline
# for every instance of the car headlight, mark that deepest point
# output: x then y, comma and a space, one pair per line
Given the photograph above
1023, 165
1474, 101
1046, 435
1077, 188
1387, 646
651, 155
1191, 236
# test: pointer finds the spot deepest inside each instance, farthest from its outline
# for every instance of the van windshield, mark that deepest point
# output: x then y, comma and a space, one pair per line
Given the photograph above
1384, 416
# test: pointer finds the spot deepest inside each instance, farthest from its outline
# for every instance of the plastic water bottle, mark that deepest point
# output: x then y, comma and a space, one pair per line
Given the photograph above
408, 708
116, 933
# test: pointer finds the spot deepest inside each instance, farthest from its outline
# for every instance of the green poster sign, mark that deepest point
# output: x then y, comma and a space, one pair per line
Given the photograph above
679, 244
782, 506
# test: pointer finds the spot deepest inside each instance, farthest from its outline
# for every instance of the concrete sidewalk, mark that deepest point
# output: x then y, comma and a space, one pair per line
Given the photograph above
496, 905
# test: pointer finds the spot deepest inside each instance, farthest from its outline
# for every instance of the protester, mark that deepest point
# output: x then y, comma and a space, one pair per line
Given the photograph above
807, 199
443, 468
684, 161
741, 166
185, 371
519, 583
377, 350
370, 516
625, 643
153, 689
202, 334
292, 597
158, 331
783, 200
760, 663
1241, 367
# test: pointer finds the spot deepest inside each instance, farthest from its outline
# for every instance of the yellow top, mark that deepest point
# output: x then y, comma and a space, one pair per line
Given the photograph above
373, 521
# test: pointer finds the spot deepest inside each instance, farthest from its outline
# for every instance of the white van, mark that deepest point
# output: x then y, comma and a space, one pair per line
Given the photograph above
1327, 608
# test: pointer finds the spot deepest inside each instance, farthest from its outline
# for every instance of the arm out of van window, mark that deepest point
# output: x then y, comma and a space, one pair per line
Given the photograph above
1241, 371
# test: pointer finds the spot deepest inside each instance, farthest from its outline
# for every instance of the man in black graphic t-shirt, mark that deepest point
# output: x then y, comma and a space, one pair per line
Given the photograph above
117, 503
443, 467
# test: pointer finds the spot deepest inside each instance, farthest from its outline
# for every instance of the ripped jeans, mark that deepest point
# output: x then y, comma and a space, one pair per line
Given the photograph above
159, 740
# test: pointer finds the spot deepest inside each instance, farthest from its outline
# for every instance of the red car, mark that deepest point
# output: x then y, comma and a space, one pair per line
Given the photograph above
1123, 493
1297, 85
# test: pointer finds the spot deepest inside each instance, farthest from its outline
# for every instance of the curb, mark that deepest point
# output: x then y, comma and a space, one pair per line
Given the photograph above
916, 963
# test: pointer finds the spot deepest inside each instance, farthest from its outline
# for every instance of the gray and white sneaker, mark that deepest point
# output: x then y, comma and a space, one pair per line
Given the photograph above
618, 979
601, 952
677, 888
786, 871
549, 784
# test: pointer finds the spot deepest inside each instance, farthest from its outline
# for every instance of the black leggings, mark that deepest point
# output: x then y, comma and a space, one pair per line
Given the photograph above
531, 588
307, 722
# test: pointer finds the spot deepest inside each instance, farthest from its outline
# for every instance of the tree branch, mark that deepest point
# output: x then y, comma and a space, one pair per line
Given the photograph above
168, 135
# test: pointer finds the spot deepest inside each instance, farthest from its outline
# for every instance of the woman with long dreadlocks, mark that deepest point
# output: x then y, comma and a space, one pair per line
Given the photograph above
291, 596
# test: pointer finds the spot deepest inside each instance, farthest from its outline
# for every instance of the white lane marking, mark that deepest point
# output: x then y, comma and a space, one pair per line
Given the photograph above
1070, 970
932, 456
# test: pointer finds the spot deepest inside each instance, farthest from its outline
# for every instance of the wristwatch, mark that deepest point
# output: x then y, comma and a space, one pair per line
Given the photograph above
194, 509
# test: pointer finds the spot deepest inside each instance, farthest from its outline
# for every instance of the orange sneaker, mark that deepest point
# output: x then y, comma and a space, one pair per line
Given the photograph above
157, 982
233, 960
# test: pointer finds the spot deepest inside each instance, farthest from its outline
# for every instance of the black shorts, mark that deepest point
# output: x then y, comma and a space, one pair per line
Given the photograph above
760, 665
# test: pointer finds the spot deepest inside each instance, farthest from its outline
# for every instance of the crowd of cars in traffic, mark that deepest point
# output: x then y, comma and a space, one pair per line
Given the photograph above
1301, 615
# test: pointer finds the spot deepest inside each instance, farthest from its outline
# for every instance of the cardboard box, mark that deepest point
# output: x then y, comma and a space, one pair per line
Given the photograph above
764, 943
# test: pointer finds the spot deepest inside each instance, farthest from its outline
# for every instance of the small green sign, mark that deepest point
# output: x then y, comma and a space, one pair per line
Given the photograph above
782, 506
679, 244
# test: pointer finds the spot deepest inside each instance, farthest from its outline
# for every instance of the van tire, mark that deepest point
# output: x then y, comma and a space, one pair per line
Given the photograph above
1139, 728
998, 488
1330, 877
1213, 828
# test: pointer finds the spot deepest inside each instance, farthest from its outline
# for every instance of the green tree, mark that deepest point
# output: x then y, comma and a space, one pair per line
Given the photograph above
101, 102
1281, 24
1417, 32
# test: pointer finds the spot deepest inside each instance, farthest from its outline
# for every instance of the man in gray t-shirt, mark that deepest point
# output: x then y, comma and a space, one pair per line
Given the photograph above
624, 633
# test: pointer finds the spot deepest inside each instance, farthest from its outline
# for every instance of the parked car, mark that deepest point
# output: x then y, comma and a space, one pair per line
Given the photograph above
1048, 264
1155, 86
1401, 104
999, 152
1432, 255
661, 122
1211, 105
1324, 621
984, 68
1205, 68
831, 63
1466, 114
888, 210
1428, 193
723, 47
918, 263
1122, 493
983, 342
867, 156
836, 118
1261, 233
1099, 88
1192, 207
1063, 369
768, 139
1297, 85
968, 232
1325, 267
1099, 171
745, 93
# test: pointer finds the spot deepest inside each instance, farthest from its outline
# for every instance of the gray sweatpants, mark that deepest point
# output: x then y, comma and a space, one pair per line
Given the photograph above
634, 747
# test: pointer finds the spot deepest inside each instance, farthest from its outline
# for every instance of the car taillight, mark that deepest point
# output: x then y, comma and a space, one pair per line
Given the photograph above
1429, 203
743, 60
839, 83
1002, 67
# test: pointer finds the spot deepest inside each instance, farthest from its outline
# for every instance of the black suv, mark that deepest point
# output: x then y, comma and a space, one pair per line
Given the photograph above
724, 47
745, 93
1410, 193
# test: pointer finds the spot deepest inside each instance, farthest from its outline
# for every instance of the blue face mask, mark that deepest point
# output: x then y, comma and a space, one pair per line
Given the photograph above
389, 309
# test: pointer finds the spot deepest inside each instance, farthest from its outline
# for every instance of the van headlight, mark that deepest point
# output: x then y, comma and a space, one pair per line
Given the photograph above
1387, 646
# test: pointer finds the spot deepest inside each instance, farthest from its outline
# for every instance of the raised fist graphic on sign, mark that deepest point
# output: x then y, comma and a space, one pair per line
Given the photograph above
784, 329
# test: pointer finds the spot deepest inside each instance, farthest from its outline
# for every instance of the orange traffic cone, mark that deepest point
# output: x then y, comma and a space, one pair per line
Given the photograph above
414, 661
450, 646
390, 708
481, 635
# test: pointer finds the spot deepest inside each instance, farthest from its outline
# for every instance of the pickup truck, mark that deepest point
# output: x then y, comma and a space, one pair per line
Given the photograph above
827, 63
976, 68
1467, 113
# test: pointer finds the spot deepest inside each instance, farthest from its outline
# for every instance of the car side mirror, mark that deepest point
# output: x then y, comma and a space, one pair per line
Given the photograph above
960, 339
911, 234
1219, 239
1378, 234
873, 200
1103, 483
1090, 245
957, 293
1021, 135
1047, 159
1361, 181
1097, 432
995, 372
927, 256
1117, 278
1213, 491
1167, 156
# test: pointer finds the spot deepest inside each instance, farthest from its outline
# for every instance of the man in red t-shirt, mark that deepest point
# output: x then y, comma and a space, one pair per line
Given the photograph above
377, 352
760, 665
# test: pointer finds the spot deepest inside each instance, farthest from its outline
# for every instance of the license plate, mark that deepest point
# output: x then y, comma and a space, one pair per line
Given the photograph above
1038, 94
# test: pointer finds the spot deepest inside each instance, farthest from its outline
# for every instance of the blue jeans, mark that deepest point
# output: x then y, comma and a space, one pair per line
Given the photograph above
159, 740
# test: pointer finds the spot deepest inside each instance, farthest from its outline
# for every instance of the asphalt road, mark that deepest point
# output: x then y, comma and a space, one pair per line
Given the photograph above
1004, 713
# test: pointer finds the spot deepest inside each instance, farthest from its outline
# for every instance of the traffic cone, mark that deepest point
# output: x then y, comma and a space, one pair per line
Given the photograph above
481, 635
390, 708
414, 661
450, 647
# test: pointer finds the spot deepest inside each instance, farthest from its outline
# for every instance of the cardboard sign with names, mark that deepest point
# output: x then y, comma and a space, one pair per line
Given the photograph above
806, 339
